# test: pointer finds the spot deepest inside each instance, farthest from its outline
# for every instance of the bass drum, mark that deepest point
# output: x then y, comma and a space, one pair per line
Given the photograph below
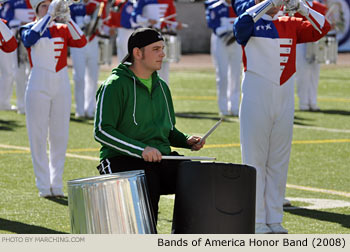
323, 51
172, 48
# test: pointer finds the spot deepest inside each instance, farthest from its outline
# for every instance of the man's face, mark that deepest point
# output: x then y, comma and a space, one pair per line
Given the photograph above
272, 12
152, 56
42, 8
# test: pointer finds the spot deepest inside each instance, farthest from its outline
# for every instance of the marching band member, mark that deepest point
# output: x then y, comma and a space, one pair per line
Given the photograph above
8, 44
227, 56
267, 106
85, 62
308, 71
48, 95
17, 13
125, 27
126, 118
149, 13
207, 3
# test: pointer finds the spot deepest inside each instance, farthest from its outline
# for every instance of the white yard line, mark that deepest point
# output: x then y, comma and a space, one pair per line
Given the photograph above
304, 188
323, 129
318, 203
5, 146
313, 189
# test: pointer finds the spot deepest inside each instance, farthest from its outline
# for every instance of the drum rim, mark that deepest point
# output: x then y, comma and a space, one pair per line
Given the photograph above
105, 177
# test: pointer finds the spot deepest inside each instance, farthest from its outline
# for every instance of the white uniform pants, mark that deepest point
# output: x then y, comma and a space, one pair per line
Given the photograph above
266, 130
228, 63
164, 71
7, 74
307, 77
21, 79
48, 102
122, 42
85, 75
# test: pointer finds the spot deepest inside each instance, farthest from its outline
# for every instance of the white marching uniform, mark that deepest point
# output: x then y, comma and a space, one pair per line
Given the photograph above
127, 27
7, 45
267, 106
48, 99
308, 72
122, 42
7, 74
155, 10
227, 58
17, 12
85, 62
85, 75
307, 78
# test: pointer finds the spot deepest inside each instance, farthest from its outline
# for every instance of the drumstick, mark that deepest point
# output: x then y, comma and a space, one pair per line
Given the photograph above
167, 17
187, 158
173, 22
210, 131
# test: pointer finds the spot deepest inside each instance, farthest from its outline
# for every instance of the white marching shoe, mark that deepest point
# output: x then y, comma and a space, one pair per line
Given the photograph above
286, 203
277, 228
262, 228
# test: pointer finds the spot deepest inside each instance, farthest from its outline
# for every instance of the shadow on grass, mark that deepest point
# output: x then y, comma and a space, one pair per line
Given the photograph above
301, 121
9, 125
59, 200
334, 112
204, 115
341, 219
329, 111
22, 228
81, 120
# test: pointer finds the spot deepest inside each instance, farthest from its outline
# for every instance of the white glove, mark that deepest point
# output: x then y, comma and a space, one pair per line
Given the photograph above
277, 3
63, 18
293, 6
87, 19
53, 8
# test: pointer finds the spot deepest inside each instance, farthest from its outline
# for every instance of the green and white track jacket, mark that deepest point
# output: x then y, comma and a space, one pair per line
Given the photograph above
129, 118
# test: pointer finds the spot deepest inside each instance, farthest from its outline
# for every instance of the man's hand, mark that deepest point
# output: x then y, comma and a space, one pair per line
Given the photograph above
151, 154
193, 141
179, 26
152, 22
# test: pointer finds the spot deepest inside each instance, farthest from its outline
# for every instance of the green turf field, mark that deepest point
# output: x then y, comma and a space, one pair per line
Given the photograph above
318, 178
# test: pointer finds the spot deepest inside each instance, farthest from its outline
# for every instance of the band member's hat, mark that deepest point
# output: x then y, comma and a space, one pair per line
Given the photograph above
141, 37
35, 4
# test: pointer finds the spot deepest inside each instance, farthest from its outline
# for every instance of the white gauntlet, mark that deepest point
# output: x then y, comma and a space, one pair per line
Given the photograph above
74, 30
303, 9
5, 31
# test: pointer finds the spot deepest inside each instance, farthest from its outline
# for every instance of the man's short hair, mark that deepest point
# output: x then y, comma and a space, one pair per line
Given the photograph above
140, 38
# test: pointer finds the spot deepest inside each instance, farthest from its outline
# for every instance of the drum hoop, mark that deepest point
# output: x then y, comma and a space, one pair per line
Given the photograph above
105, 178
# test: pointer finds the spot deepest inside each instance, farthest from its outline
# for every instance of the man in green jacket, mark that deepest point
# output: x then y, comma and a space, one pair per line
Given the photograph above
135, 119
